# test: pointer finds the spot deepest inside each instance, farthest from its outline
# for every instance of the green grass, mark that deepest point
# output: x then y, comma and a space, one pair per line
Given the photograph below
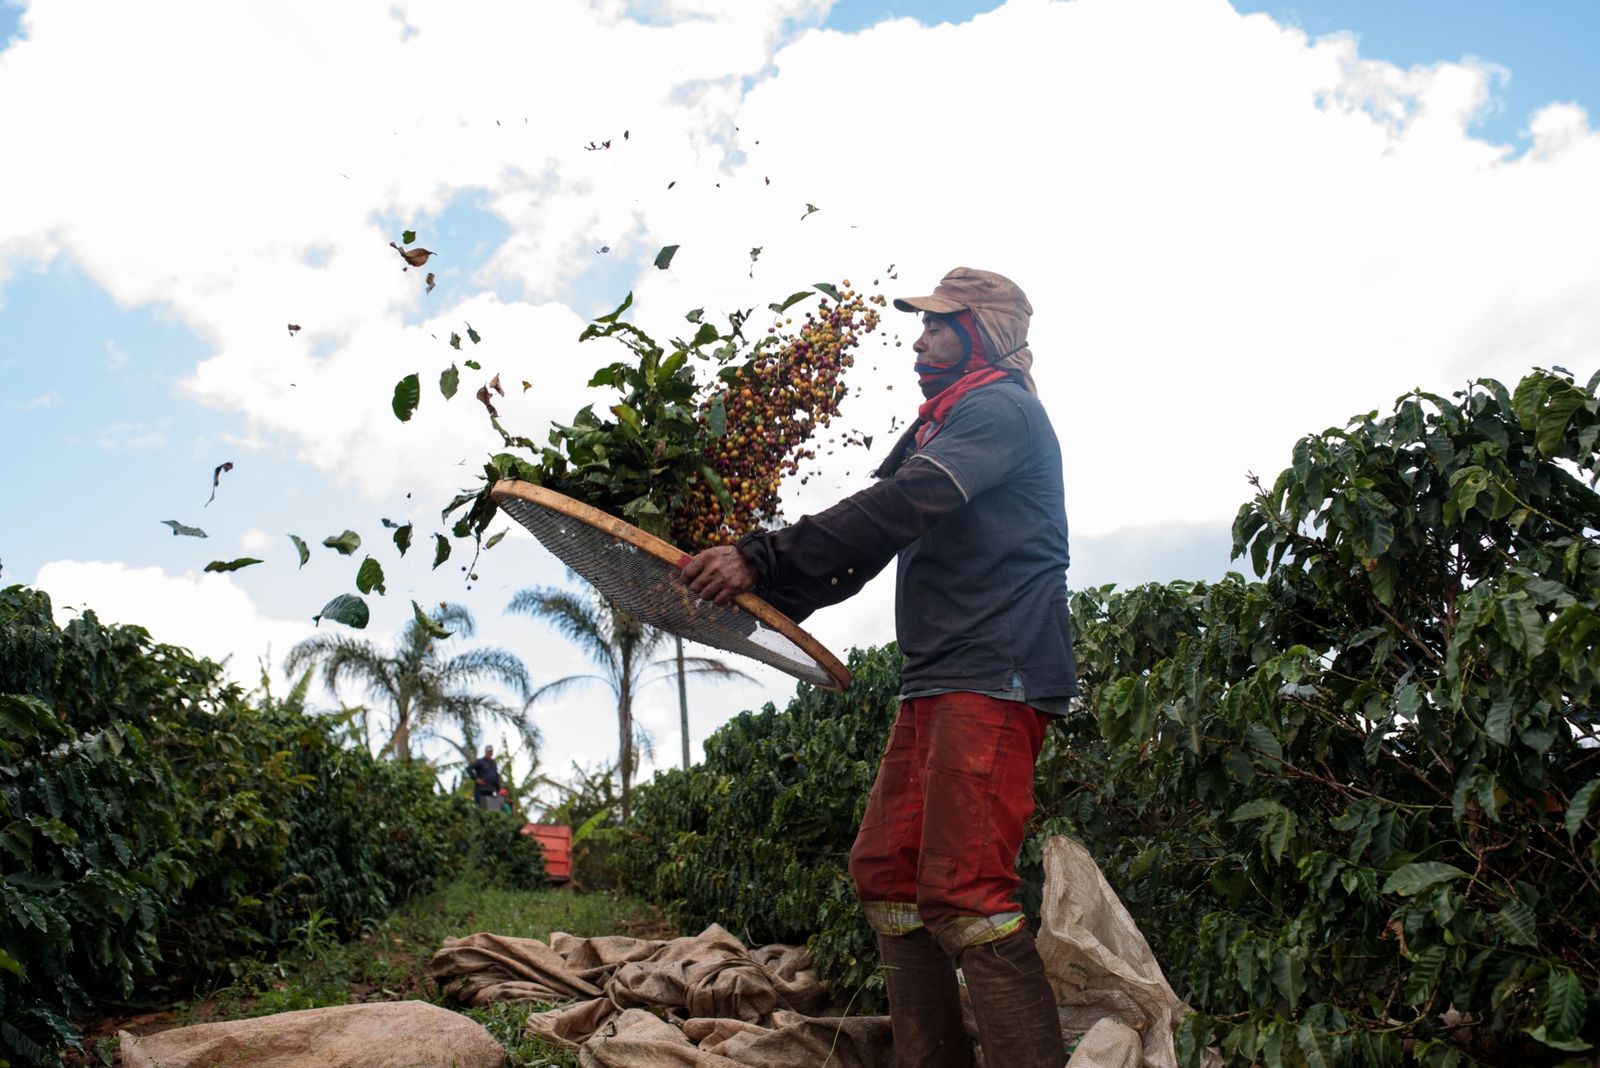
390, 961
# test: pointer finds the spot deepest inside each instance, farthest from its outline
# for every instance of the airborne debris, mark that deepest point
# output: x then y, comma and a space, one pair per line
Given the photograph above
483, 395
414, 257
809, 209
294, 328
494, 384
430, 282
216, 476
188, 532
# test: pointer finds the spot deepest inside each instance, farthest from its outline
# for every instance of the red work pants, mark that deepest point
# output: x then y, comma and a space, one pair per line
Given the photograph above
938, 844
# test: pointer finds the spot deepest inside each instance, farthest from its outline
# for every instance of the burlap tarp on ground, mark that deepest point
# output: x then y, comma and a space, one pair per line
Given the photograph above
709, 1002
385, 1034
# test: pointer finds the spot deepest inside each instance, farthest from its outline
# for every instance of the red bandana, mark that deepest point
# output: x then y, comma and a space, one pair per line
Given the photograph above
936, 409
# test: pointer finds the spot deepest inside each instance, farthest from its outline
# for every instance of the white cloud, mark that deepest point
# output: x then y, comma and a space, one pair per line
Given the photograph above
255, 541
44, 400
125, 435
211, 615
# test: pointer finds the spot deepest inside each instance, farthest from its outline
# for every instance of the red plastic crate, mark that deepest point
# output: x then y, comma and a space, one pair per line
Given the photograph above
556, 842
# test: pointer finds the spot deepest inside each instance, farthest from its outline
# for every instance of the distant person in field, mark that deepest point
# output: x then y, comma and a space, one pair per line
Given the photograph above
971, 502
485, 775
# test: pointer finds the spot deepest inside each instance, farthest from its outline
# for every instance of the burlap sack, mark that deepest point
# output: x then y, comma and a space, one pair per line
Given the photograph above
389, 1034
725, 1005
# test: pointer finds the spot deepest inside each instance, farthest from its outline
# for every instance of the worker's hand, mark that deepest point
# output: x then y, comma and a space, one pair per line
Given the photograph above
719, 574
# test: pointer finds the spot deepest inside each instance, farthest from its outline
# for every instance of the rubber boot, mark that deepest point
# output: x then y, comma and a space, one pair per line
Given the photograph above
924, 1002
1016, 1010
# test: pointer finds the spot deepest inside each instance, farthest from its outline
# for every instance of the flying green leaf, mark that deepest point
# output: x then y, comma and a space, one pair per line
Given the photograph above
407, 394
473, 334
346, 608
407, 236
449, 381
664, 257
188, 532
455, 341
346, 543
369, 576
231, 565
492, 542
828, 288
474, 364
300, 547
810, 208
790, 301
694, 316
429, 627
441, 550
717, 417
402, 538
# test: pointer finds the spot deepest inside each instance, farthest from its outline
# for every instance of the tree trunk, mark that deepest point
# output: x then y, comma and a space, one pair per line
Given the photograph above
625, 755
402, 733
683, 706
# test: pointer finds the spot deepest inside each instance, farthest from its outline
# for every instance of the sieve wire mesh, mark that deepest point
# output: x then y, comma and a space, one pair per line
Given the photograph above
653, 590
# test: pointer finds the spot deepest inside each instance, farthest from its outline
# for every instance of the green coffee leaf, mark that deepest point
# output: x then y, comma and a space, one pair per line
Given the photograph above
346, 543
473, 334
717, 417
428, 625
694, 316
831, 290
402, 538
715, 481
1582, 802
231, 565
1414, 878
1425, 968
474, 364
346, 608
613, 316
369, 576
441, 550
1517, 923
455, 340
407, 236
664, 257
407, 394
449, 381
492, 542
300, 547
188, 532
1563, 1006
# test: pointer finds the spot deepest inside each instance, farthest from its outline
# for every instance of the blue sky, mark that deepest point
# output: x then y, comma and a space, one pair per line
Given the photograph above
143, 306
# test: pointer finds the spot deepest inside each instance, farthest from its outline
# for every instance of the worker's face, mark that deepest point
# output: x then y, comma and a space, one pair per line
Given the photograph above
939, 346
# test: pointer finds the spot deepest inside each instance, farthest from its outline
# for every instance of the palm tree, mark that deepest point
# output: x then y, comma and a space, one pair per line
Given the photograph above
621, 646
418, 681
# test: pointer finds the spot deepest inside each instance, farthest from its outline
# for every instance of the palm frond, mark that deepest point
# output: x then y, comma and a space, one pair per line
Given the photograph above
579, 622
556, 688
505, 668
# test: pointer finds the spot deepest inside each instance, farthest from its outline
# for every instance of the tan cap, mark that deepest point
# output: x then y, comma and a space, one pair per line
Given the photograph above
999, 307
